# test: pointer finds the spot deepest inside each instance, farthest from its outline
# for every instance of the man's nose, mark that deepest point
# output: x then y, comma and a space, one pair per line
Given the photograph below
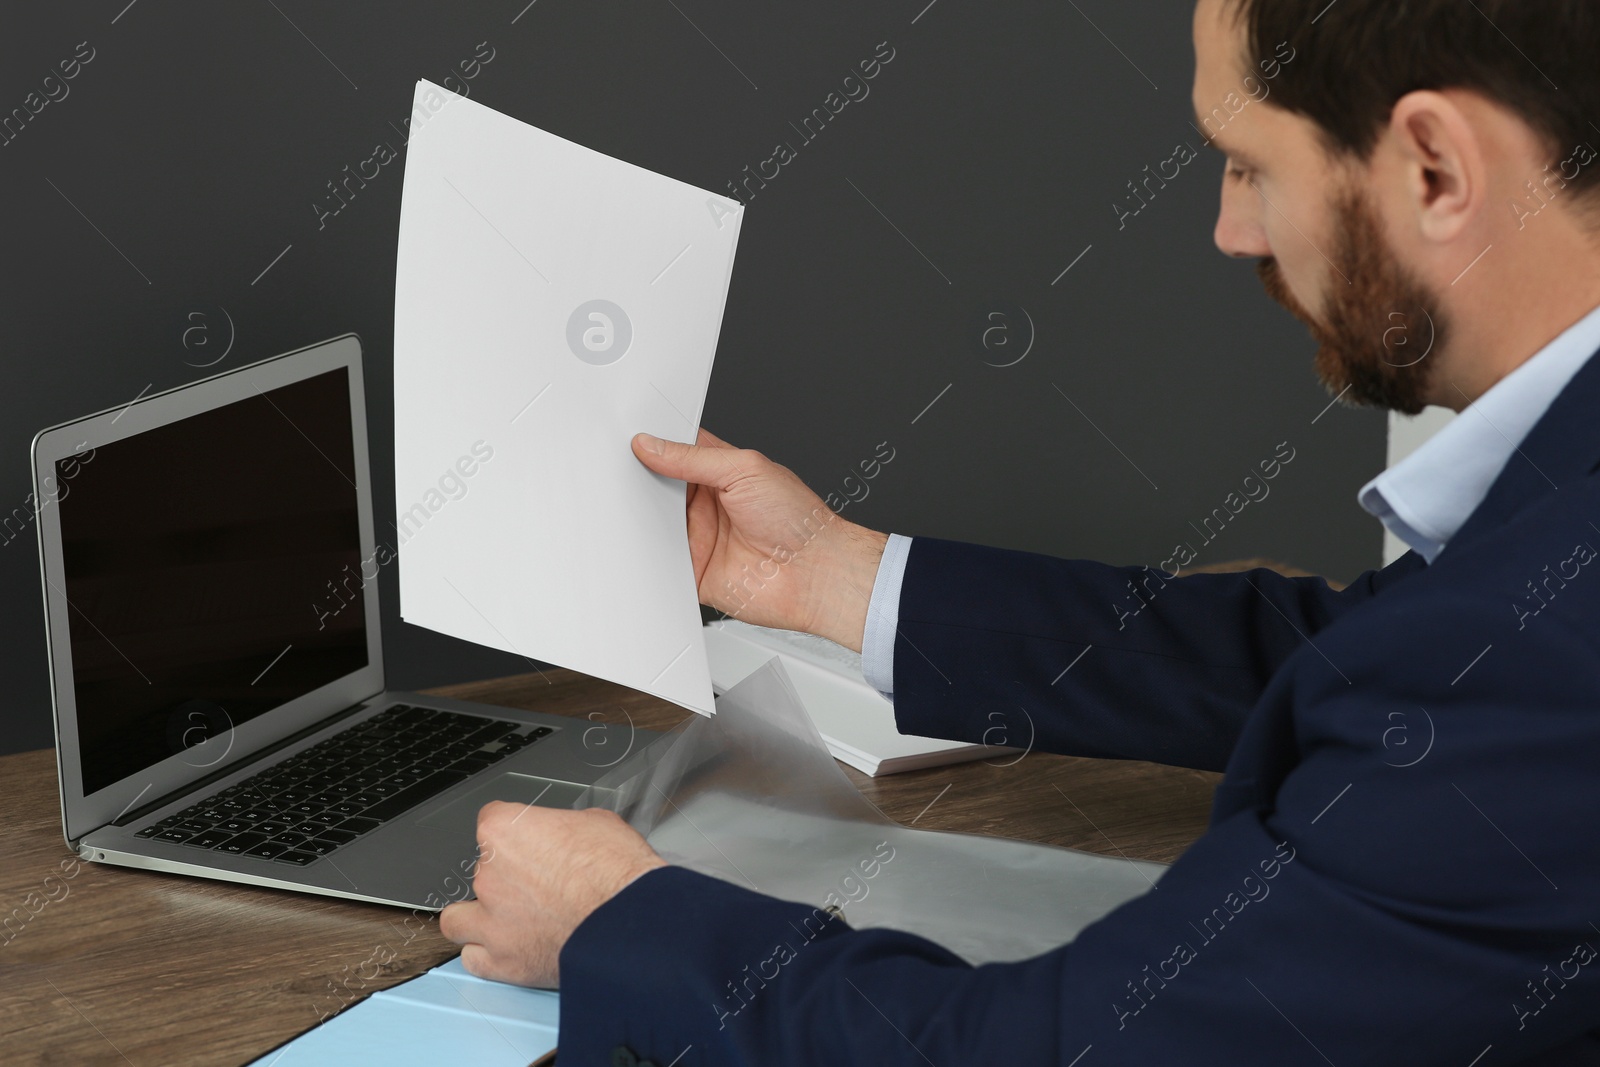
1239, 232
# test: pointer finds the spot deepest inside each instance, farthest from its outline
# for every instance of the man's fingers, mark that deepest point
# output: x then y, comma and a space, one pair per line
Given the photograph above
500, 812
711, 465
497, 817
475, 958
462, 922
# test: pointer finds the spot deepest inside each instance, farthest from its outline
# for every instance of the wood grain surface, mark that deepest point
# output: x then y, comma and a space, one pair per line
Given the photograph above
104, 964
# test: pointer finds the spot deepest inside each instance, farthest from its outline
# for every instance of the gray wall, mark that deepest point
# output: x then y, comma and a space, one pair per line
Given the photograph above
142, 208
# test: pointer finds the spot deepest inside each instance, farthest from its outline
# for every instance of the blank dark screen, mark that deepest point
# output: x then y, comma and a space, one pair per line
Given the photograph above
213, 572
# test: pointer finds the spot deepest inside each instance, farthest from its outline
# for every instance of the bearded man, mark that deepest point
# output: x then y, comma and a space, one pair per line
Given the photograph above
1421, 188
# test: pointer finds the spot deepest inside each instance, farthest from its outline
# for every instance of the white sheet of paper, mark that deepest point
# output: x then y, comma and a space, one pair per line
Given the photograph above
551, 302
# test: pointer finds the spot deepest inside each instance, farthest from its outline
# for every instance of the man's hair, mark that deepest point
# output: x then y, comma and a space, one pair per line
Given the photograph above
1355, 59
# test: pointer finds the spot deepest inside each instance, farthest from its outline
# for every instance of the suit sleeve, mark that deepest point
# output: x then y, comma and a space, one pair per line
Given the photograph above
1418, 904
1012, 648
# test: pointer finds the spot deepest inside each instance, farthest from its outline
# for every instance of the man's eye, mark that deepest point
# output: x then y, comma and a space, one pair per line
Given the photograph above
1238, 173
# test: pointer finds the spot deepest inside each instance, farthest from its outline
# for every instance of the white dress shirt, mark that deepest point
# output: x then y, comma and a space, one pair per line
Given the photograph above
883, 616
1423, 500
1426, 497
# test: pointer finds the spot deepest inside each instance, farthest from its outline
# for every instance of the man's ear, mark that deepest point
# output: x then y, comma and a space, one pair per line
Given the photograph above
1442, 154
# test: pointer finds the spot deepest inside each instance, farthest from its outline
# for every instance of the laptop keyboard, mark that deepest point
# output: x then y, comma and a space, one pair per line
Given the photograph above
304, 807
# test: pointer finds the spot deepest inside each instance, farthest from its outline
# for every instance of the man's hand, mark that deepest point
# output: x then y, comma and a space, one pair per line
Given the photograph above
766, 549
540, 872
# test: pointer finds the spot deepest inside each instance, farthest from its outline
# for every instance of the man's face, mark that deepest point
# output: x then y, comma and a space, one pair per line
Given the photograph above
1311, 221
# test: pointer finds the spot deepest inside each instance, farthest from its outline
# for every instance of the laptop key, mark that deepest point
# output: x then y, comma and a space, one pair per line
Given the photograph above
358, 825
299, 859
151, 831
209, 839
241, 843
490, 732
172, 835
408, 798
267, 850
318, 847
337, 837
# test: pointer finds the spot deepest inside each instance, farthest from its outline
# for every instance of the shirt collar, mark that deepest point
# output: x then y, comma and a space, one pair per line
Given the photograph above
1428, 496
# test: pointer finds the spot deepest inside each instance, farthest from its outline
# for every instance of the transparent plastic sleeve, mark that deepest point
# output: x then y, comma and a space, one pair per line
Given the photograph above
751, 795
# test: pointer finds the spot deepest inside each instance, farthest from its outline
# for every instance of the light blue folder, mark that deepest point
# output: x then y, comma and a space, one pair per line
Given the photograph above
446, 1016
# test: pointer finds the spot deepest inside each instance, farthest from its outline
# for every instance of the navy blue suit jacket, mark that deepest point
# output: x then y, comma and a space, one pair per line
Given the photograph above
1400, 867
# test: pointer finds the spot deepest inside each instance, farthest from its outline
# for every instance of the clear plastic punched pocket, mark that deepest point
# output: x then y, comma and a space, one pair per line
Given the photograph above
752, 795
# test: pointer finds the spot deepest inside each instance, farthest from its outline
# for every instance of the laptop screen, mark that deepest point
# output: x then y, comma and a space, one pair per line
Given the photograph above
213, 571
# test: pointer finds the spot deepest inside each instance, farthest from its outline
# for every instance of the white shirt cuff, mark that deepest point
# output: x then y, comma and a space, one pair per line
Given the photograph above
883, 617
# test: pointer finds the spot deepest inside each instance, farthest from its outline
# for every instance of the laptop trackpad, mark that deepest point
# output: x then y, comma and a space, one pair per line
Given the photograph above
461, 814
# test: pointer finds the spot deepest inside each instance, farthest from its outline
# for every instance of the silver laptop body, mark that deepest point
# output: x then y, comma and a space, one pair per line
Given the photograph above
209, 558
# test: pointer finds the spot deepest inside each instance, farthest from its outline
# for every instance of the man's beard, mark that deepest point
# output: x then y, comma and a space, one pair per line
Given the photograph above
1381, 324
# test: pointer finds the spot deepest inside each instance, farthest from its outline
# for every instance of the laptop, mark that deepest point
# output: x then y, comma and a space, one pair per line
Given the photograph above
209, 563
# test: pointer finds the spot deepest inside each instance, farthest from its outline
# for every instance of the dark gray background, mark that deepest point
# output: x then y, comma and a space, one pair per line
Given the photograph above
986, 158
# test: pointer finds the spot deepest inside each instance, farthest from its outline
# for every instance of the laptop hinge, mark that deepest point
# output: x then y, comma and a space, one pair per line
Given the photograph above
217, 775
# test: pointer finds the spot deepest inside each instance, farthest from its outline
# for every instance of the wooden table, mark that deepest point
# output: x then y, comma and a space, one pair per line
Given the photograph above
104, 964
